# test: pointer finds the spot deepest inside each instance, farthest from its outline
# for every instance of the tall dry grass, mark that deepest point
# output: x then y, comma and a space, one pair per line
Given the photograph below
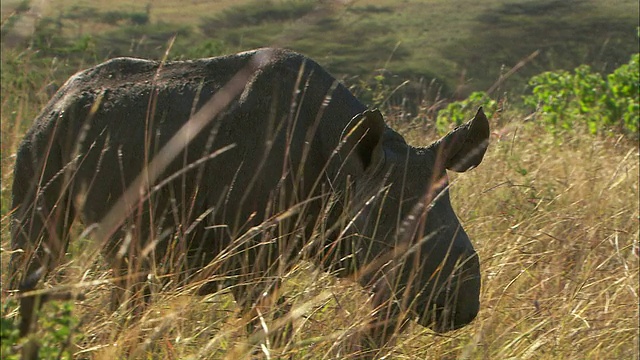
554, 218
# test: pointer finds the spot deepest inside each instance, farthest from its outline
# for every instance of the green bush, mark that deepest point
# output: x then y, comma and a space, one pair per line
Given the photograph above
59, 331
566, 99
459, 112
623, 91
9, 333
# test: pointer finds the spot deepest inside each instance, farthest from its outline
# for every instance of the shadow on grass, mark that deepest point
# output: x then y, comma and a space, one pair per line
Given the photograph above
567, 33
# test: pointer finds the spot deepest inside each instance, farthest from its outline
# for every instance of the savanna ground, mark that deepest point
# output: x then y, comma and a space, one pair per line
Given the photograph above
553, 212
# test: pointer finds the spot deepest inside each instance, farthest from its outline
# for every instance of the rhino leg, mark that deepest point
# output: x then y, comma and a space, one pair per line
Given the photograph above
40, 225
375, 339
129, 290
32, 260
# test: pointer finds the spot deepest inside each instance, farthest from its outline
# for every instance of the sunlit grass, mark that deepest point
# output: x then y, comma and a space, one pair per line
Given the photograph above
554, 218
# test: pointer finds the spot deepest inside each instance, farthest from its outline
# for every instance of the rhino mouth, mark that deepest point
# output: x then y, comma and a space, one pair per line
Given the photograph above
443, 316
454, 306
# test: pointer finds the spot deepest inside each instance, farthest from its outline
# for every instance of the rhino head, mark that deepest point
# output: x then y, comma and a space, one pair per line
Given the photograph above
407, 243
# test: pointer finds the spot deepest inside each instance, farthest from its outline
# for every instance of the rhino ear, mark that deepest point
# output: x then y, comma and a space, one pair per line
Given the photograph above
463, 148
363, 138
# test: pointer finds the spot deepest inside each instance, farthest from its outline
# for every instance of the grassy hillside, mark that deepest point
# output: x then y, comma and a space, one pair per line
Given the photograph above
464, 45
553, 212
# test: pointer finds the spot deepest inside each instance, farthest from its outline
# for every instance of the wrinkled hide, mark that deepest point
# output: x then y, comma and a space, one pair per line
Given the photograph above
227, 170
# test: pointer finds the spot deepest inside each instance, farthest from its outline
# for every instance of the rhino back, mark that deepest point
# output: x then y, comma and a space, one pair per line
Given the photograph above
112, 119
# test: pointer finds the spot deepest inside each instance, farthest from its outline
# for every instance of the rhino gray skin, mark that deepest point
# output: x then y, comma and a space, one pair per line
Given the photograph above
282, 134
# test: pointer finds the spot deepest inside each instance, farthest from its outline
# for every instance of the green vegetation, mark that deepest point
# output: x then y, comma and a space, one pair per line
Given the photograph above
552, 210
59, 327
459, 112
9, 333
463, 47
565, 100
258, 12
568, 33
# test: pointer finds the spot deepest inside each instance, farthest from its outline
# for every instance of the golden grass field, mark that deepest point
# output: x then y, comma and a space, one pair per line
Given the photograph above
553, 216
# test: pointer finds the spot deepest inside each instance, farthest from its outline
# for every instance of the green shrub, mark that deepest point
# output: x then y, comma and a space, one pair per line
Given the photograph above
567, 100
9, 333
374, 90
58, 331
623, 91
459, 112
139, 18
